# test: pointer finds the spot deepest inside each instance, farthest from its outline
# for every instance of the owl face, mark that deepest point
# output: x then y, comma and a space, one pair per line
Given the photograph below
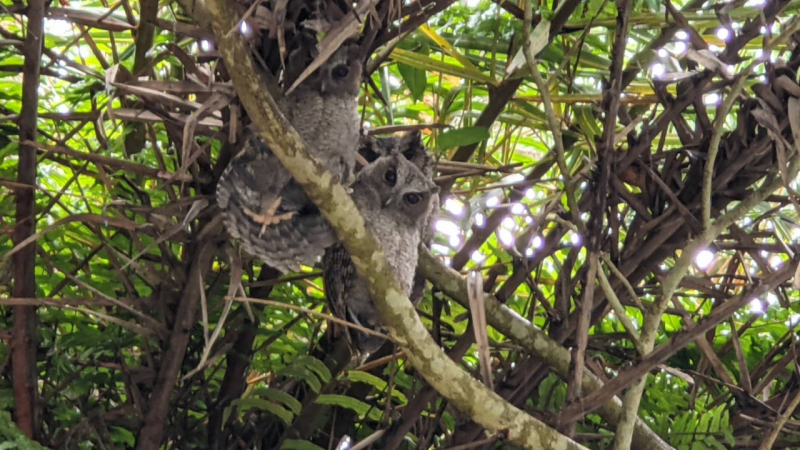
339, 76
401, 189
341, 73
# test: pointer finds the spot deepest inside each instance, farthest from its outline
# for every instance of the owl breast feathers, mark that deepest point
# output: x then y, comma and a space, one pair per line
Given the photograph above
264, 208
394, 197
409, 145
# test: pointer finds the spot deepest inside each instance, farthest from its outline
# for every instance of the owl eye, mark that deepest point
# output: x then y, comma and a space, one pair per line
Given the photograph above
390, 177
340, 72
412, 199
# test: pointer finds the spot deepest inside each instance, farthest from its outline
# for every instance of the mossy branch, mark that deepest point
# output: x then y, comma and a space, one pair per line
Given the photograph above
483, 406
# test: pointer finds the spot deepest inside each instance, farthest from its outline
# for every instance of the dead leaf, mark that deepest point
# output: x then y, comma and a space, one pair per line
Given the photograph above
343, 31
540, 36
709, 60
478, 311
794, 121
786, 83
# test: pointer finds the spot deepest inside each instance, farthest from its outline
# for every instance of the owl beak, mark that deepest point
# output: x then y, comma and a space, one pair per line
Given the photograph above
323, 87
387, 202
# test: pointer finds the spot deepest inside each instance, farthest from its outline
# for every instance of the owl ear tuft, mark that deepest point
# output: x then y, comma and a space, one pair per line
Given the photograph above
303, 50
370, 148
411, 143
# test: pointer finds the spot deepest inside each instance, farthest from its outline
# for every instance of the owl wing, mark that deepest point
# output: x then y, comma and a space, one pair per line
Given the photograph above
348, 298
255, 176
254, 181
339, 273
426, 234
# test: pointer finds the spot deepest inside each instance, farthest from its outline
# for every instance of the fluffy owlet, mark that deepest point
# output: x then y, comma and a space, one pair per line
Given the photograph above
411, 147
264, 208
394, 197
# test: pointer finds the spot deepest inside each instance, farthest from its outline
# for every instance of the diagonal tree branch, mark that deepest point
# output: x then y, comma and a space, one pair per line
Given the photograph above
482, 405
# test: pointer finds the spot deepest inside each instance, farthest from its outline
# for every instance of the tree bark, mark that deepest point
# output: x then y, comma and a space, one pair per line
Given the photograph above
135, 140
198, 263
24, 342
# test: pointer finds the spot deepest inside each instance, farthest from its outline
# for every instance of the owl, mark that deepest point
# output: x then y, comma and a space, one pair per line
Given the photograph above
411, 147
394, 197
264, 208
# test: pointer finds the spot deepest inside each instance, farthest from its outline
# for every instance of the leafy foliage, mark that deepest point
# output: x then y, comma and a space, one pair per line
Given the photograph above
129, 153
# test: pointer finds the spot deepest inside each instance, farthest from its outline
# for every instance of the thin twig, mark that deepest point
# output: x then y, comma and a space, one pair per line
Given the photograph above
555, 127
722, 116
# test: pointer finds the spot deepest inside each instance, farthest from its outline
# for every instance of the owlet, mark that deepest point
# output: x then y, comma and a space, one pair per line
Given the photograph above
265, 209
394, 197
409, 145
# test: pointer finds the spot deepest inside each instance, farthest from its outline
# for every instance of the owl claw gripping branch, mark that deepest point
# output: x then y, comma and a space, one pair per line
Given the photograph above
269, 217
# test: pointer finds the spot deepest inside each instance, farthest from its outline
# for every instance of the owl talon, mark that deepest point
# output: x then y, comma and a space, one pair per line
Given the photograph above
268, 217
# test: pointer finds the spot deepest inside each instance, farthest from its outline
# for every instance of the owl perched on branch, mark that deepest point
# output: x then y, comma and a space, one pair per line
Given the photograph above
265, 209
411, 147
394, 197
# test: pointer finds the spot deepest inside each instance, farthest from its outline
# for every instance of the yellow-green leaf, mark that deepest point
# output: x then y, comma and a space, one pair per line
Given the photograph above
448, 48
432, 65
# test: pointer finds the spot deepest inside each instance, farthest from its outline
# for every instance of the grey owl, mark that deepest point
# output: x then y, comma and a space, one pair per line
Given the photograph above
394, 197
409, 145
264, 208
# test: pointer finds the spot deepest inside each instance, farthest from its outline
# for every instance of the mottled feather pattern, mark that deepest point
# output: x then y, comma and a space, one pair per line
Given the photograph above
323, 110
298, 240
329, 125
395, 221
411, 147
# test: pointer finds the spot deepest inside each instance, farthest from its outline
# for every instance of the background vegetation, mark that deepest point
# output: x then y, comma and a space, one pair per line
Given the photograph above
630, 205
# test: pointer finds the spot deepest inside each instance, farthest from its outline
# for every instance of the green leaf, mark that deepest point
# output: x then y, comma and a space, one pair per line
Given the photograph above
729, 439
245, 404
462, 136
434, 65
587, 122
416, 80
226, 414
302, 373
294, 444
12, 438
343, 401
448, 48
281, 397
122, 436
316, 366
714, 443
358, 376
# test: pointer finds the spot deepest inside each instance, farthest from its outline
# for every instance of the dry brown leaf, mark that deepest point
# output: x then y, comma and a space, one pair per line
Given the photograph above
478, 312
343, 31
710, 61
